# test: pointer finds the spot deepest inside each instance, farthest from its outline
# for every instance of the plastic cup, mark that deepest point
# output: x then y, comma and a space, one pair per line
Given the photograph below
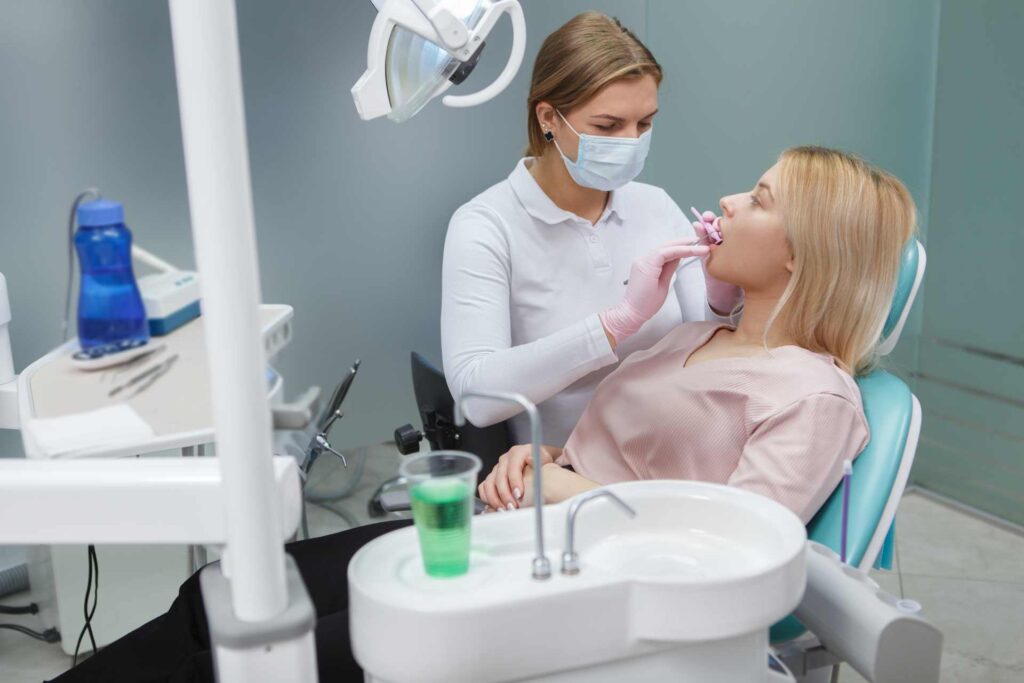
441, 485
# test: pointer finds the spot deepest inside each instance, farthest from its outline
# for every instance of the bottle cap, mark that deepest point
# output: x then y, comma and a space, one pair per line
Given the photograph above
100, 212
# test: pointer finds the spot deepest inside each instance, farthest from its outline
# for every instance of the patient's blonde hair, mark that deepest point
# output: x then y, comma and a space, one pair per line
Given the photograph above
847, 223
585, 54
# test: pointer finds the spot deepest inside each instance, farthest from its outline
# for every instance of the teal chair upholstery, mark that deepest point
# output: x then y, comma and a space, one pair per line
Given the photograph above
881, 470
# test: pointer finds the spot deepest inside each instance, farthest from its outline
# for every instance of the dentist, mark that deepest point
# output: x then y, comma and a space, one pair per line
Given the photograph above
559, 272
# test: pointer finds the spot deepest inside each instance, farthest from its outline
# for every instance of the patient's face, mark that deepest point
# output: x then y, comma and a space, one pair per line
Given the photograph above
754, 252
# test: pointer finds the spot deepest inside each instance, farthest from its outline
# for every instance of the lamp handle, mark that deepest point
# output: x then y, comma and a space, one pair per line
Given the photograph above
515, 57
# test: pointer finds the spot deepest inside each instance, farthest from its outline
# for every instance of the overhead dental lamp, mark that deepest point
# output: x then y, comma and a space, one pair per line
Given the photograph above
420, 48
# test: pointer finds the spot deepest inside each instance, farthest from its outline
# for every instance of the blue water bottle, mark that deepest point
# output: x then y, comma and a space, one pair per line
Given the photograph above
110, 310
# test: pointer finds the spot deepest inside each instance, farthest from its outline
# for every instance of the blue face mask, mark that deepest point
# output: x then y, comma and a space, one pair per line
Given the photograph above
604, 162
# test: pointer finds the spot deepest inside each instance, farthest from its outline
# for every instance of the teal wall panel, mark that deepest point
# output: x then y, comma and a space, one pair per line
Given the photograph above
972, 346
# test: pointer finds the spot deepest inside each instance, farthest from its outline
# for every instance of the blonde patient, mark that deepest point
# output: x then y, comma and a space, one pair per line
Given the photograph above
769, 405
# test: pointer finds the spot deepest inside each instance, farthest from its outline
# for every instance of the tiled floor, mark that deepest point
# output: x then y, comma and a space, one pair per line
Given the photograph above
968, 574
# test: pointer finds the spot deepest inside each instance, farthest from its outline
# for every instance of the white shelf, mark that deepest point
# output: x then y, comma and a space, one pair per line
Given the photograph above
177, 406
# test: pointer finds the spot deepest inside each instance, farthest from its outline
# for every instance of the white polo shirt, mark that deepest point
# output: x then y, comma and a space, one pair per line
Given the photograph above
523, 282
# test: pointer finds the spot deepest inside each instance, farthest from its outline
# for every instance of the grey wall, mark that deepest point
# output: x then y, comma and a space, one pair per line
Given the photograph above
746, 79
87, 97
350, 215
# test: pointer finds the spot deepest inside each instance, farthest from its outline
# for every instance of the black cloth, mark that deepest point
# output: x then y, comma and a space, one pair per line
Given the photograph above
175, 647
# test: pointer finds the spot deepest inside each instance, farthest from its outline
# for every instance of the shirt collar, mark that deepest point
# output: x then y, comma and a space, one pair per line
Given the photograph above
540, 206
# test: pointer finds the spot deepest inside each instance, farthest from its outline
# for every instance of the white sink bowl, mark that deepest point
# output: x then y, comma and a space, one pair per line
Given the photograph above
690, 586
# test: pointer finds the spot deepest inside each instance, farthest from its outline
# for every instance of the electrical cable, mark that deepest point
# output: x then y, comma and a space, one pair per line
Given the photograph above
27, 609
92, 586
88, 192
50, 635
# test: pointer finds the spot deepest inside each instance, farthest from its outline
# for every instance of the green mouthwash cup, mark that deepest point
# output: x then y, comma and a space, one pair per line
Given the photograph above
441, 485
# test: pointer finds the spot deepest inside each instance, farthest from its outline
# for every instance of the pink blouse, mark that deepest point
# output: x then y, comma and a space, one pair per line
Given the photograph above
779, 424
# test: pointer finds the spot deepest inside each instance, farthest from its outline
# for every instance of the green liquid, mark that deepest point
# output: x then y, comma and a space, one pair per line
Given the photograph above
442, 509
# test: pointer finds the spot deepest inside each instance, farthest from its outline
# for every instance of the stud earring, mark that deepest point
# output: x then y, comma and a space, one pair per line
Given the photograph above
549, 136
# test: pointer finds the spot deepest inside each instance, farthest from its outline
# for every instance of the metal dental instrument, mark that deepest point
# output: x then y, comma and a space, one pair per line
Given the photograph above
331, 414
340, 392
157, 369
161, 370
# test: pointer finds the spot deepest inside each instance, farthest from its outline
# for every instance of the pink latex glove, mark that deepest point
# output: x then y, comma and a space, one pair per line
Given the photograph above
723, 297
647, 288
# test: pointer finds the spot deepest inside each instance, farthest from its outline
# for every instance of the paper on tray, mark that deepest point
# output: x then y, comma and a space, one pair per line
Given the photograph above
57, 436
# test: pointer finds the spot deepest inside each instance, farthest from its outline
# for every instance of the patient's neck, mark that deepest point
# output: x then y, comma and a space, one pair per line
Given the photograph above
757, 311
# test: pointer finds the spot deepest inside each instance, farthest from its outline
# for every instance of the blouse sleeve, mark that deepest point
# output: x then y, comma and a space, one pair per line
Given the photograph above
476, 335
795, 457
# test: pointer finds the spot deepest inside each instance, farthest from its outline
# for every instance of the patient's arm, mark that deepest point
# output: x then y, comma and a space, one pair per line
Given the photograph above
795, 457
558, 484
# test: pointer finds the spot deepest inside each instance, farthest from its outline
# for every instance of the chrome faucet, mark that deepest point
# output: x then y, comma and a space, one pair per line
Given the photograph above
570, 559
541, 565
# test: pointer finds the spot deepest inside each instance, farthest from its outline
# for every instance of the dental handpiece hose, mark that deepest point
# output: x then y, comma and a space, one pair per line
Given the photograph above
847, 473
541, 565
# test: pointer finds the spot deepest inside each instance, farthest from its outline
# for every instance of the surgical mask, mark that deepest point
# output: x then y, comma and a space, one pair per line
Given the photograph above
605, 162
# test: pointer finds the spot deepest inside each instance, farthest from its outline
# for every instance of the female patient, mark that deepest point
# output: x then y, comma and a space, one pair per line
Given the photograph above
770, 406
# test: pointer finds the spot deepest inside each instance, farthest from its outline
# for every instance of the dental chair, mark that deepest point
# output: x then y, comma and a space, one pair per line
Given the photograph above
437, 413
879, 477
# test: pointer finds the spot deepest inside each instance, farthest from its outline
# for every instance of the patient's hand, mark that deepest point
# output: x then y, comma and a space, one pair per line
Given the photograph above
558, 484
505, 487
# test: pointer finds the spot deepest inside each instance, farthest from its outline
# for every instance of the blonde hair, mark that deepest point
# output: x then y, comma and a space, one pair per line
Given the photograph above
584, 55
847, 222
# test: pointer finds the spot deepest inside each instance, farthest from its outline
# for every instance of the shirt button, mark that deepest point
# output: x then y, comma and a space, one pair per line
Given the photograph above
592, 239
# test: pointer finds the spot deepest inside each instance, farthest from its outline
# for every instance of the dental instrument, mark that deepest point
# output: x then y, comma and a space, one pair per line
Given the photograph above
159, 367
710, 222
160, 370
332, 414
334, 405
420, 48
847, 474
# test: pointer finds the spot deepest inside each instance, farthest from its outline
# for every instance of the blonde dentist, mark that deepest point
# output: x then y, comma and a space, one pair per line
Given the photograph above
565, 268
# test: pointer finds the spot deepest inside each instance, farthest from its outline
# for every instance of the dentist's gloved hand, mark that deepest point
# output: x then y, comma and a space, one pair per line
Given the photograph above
723, 297
647, 287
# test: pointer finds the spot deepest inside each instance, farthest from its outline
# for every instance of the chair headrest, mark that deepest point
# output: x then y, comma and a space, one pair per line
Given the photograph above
907, 283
